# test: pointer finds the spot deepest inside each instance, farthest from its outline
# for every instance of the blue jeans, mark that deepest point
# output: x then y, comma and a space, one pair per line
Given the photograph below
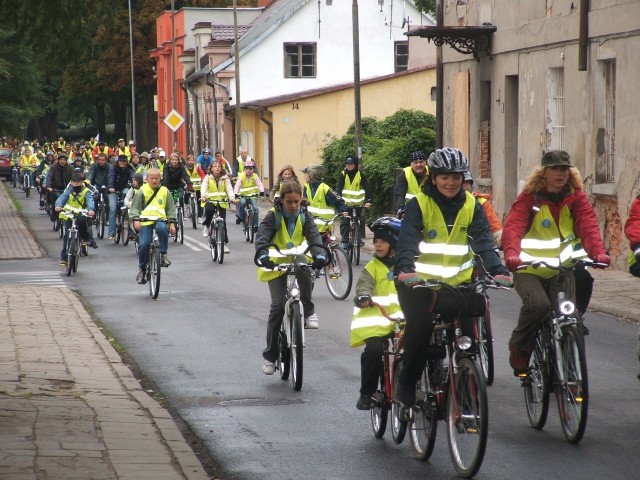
113, 209
241, 207
146, 236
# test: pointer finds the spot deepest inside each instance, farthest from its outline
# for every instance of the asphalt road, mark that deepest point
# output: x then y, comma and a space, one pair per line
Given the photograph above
201, 343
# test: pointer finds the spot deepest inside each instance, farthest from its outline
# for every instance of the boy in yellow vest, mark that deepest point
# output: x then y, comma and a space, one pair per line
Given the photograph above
369, 327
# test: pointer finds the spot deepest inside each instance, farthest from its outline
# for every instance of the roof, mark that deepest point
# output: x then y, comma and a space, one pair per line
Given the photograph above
226, 32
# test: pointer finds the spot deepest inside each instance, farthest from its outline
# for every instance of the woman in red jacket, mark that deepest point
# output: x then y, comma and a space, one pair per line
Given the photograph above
551, 210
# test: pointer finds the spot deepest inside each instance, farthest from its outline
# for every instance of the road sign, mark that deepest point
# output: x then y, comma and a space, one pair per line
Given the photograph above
173, 120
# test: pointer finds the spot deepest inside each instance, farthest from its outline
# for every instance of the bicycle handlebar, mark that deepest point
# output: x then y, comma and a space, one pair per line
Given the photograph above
571, 266
469, 287
285, 266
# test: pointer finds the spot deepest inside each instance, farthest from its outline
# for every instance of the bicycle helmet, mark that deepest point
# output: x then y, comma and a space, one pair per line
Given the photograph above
447, 160
386, 228
249, 164
468, 177
206, 150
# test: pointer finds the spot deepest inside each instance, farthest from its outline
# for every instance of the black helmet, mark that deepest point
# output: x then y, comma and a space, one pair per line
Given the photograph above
386, 228
468, 177
447, 160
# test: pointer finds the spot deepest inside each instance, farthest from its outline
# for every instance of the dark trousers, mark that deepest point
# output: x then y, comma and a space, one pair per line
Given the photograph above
209, 210
278, 291
371, 365
584, 287
416, 305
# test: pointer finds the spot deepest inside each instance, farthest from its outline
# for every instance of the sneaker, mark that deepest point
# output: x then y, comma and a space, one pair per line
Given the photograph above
226, 249
111, 237
63, 263
164, 261
518, 359
239, 220
268, 368
141, 278
405, 395
205, 232
93, 244
364, 402
311, 321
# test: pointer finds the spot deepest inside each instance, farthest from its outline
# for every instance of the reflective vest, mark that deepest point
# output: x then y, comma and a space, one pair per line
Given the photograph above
353, 193
369, 322
157, 209
318, 206
75, 204
28, 162
241, 164
160, 166
547, 242
445, 256
413, 187
217, 191
288, 244
194, 176
248, 186
123, 151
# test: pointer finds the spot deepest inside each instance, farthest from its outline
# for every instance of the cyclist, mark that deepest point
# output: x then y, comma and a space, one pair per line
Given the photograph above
216, 187
286, 174
205, 159
288, 226
410, 181
240, 162
161, 161
354, 190
118, 184
175, 177
122, 148
57, 180
490, 212
443, 227
152, 201
248, 186
76, 196
195, 174
28, 163
368, 326
145, 158
632, 232
223, 161
134, 160
551, 218
323, 202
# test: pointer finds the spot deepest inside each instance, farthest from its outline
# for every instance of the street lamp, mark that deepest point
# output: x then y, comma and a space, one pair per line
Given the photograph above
133, 83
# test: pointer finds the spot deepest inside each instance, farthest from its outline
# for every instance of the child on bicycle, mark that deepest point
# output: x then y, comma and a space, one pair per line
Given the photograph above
354, 190
217, 192
632, 232
248, 186
323, 202
288, 226
76, 197
369, 327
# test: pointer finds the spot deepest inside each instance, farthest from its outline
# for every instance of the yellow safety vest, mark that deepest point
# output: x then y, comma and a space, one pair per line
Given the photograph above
369, 322
157, 209
28, 162
413, 187
217, 191
123, 151
287, 244
75, 204
240, 165
318, 206
353, 193
445, 256
547, 242
248, 186
194, 176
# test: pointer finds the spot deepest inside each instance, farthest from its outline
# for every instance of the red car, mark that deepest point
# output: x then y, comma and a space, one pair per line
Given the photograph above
5, 162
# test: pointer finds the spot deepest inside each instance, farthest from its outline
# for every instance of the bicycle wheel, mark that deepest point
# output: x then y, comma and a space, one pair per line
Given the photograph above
467, 418
424, 425
283, 354
61, 229
213, 243
250, 232
154, 272
484, 345
126, 229
15, 179
536, 385
398, 422
180, 226
351, 239
76, 257
102, 222
379, 411
71, 244
193, 211
573, 392
356, 244
27, 185
220, 241
116, 238
338, 274
296, 347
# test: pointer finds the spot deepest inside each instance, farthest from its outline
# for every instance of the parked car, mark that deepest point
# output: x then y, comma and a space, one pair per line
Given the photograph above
5, 162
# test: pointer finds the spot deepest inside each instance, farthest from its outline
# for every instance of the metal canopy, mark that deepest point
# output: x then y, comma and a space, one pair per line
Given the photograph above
474, 40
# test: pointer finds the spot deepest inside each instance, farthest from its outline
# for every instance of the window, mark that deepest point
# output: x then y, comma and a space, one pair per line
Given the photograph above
401, 56
299, 60
555, 109
609, 120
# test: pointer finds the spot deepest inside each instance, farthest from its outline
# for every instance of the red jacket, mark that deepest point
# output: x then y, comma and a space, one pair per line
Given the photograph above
585, 221
632, 225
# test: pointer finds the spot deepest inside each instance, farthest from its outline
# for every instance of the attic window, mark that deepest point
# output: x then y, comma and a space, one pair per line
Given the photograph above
329, 3
299, 60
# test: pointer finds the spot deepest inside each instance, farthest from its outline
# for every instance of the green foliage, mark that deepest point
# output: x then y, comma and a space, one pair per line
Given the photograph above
427, 6
387, 147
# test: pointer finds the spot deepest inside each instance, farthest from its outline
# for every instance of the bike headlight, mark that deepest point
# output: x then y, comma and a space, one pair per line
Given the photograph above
463, 343
567, 307
295, 292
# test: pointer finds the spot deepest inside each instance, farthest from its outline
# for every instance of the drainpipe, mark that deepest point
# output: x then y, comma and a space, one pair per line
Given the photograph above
211, 82
197, 115
439, 79
270, 136
583, 39
188, 114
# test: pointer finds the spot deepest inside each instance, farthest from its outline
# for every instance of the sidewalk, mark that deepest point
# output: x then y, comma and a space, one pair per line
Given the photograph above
69, 407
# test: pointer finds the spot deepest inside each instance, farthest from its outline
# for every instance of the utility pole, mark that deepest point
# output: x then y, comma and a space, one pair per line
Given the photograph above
356, 80
237, 73
133, 83
173, 70
439, 80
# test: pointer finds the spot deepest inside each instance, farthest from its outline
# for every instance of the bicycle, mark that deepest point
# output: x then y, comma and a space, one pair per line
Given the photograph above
355, 233
102, 204
75, 247
15, 174
26, 181
291, 337
559, 361
192, 210
152, 268
216, 235
338, 272
122, 228
178, 200
249, 214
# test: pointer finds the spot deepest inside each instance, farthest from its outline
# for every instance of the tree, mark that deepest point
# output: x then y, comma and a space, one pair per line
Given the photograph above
427, 6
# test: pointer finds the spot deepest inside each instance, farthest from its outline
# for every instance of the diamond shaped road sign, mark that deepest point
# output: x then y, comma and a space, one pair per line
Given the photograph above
173, 120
